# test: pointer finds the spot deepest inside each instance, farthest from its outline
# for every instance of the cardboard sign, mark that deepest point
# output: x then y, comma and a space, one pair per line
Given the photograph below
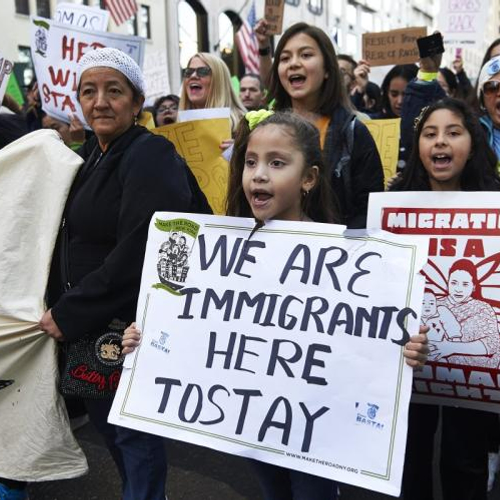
6, 68
462, 299
463, 21
81, 16
386, 134
273, 14
392, 47
155, 73
198, 143
56, 50
285, 346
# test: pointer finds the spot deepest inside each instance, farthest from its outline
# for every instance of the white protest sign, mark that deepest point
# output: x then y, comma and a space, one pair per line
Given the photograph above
284, 345
81, 16
56, 50
6, 68
462, 299
155, 73
462, 21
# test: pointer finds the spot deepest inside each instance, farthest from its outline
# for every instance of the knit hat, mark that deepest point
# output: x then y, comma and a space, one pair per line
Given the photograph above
488, 71
109, 57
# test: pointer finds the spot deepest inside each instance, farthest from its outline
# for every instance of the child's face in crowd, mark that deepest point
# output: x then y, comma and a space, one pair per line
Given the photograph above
274, 175
445, 146
301, 71
396, 94
429, 307
492, 103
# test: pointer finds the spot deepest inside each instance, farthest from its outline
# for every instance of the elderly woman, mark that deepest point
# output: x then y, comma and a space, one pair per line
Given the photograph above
207, 84
128, 174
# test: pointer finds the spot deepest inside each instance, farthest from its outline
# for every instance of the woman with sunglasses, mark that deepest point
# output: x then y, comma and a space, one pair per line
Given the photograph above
488, 92
207, 84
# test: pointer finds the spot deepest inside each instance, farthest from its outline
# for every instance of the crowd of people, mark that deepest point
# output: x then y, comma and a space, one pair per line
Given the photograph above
300, 152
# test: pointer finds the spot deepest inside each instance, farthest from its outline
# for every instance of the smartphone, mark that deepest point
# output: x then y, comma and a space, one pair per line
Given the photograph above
431, 45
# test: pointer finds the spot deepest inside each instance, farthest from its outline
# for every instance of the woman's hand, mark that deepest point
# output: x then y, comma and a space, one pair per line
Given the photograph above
131, 338
416, 349
76, 130
49, 326
431, 64
260, 30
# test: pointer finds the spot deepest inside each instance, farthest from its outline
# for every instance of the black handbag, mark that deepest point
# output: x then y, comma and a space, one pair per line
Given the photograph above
92, 366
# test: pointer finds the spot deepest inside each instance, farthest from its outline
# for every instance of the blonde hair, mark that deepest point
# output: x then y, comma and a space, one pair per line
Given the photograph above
220, 93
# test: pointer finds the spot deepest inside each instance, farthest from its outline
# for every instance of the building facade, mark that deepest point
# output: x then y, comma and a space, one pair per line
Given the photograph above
179, 28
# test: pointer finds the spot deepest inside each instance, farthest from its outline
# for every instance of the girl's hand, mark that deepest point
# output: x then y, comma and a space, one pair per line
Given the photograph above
49, 326
458, 65
416, 349
260, 31
131, 338
76, 130
361, 76
226, 144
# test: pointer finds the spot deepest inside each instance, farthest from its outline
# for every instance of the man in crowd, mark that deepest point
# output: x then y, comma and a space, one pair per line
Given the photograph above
252, 92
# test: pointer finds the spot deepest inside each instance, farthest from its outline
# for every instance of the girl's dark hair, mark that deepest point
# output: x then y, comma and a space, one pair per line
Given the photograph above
319, 204
373, 93
333, 92
480, 172
451, 80
406, 71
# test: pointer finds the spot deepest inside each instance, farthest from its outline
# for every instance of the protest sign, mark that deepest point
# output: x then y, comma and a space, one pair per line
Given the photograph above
385, 133
462, 300
462, 21
155, 73
283, 345
273, 14
392, 47
36, 443
198, 143
14, 90
6, 68
56, 50
81, 16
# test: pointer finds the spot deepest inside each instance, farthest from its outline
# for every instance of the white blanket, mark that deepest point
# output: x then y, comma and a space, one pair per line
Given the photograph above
36, 443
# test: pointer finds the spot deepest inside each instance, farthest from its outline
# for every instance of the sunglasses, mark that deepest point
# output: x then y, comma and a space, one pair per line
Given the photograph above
491, 87
201, 72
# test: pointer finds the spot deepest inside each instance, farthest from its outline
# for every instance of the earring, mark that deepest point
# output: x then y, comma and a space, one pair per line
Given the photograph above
305, 193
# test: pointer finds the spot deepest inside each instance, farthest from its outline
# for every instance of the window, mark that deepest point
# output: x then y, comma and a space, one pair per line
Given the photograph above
295, 3
24, 67
315, 6
43, 8
23, 7
144, 22
140, 23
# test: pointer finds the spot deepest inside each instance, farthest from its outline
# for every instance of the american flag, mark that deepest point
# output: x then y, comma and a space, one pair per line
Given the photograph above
247, 42
121, 10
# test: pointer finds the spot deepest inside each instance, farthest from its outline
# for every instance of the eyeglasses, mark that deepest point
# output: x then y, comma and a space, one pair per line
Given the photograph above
163, 109
201, 72
491, 87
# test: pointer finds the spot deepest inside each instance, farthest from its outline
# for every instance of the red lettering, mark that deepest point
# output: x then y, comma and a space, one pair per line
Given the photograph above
67, 50
61, 78
82, 372
67, 102
474, 248
113, 380
448, 247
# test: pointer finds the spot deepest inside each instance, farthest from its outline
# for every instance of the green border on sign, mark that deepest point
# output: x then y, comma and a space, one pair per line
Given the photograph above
397, 396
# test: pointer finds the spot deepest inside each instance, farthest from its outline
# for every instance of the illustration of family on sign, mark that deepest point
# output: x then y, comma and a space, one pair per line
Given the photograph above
173, 258
463, 325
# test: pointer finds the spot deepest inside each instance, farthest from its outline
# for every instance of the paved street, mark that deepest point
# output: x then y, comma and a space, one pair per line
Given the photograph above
195, 473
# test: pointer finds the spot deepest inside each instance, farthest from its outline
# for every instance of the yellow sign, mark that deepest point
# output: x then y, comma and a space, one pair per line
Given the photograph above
385, 133
198, 143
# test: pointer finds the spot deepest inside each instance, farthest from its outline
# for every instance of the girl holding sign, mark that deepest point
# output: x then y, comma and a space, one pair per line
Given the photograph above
277, 172
449, 153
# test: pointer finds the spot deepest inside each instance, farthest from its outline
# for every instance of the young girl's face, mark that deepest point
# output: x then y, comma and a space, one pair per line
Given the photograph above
274, 176
445, 145
301, 71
